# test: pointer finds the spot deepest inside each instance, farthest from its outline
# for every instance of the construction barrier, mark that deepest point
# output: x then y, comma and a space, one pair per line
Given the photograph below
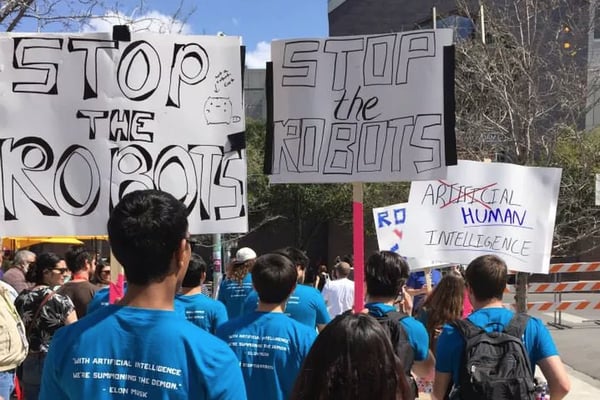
557, 288
581, 286
575, 267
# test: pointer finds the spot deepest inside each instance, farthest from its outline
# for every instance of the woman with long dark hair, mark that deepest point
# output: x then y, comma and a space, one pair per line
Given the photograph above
352, 359
443, 305
43, 311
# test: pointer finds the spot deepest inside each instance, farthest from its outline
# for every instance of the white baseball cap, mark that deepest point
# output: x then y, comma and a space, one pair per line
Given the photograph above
244, 254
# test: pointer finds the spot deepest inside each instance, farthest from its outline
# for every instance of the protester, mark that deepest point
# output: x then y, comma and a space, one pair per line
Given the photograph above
238, 282
385, 275
352, 359
79, 289
198, 308
16, 275
305, 305
339, 293
269, 345
101, 277
322, 277
486, 278
420, 284
443, 305
43, 311
14, 343
142, 337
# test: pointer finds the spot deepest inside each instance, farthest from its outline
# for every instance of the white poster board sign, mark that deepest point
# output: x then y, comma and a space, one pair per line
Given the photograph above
359, 108
85, 119
485, 208
389, 226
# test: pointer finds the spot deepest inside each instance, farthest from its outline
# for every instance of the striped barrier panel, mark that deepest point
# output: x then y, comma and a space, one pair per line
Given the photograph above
575, 267
579, 286
563, 305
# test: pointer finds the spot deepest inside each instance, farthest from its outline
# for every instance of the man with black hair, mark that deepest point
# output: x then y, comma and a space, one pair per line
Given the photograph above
269, 345
306, 304
198, 308
486, 278
140, 347
385, 276
79, 289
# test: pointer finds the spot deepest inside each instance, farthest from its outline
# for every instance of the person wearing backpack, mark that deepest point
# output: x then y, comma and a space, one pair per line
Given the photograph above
385, 276
492, 354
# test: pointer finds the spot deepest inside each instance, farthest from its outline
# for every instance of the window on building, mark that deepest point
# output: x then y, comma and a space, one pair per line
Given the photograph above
464, 28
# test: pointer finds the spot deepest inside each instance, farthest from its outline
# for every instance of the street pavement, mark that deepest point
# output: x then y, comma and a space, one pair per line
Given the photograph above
583, 387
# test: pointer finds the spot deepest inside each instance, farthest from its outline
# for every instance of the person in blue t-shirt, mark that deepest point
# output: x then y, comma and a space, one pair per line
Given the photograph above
198, 308
238, 283
385, 276
418, 288
306, 304
486, 278
140, 347
269, 345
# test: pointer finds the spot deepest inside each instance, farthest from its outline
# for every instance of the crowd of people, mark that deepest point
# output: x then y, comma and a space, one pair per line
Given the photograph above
267, 335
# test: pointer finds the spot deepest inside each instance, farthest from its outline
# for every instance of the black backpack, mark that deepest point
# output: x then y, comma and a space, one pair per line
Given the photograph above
495, 365
400, 343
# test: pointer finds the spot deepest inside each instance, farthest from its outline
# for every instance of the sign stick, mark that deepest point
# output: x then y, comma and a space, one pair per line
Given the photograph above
358, 243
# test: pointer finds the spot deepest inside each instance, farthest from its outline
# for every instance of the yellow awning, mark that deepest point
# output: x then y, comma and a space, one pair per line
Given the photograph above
16, 243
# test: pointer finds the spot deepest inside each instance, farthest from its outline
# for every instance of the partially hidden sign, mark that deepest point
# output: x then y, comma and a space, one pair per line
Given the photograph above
360, 108
390, 228
85, 119
485, 208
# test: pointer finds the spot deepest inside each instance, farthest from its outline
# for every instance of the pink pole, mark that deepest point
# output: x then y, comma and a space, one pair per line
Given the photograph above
358, 243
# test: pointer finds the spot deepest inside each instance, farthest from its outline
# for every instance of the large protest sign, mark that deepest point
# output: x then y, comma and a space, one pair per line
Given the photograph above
361, 108
85, 119
389, 225
485, 208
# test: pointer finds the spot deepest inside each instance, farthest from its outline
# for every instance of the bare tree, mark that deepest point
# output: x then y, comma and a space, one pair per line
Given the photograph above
522, 87
79, 15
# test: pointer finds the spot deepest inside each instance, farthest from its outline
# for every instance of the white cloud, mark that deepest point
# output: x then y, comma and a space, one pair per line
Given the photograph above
259, 56
152, 21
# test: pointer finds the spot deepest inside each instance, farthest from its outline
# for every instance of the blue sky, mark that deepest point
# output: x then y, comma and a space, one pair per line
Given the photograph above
256, 21
260, 21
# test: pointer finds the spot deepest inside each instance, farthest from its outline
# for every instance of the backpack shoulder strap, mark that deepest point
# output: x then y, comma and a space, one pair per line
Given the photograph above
396, 315
466, 328
516, 326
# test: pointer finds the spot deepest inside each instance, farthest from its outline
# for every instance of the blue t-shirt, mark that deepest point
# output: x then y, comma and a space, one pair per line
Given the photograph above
201, 310
450, 344
121, 352
233, 294
416, 332
416, 280
306, 305
99, 300
271, 348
